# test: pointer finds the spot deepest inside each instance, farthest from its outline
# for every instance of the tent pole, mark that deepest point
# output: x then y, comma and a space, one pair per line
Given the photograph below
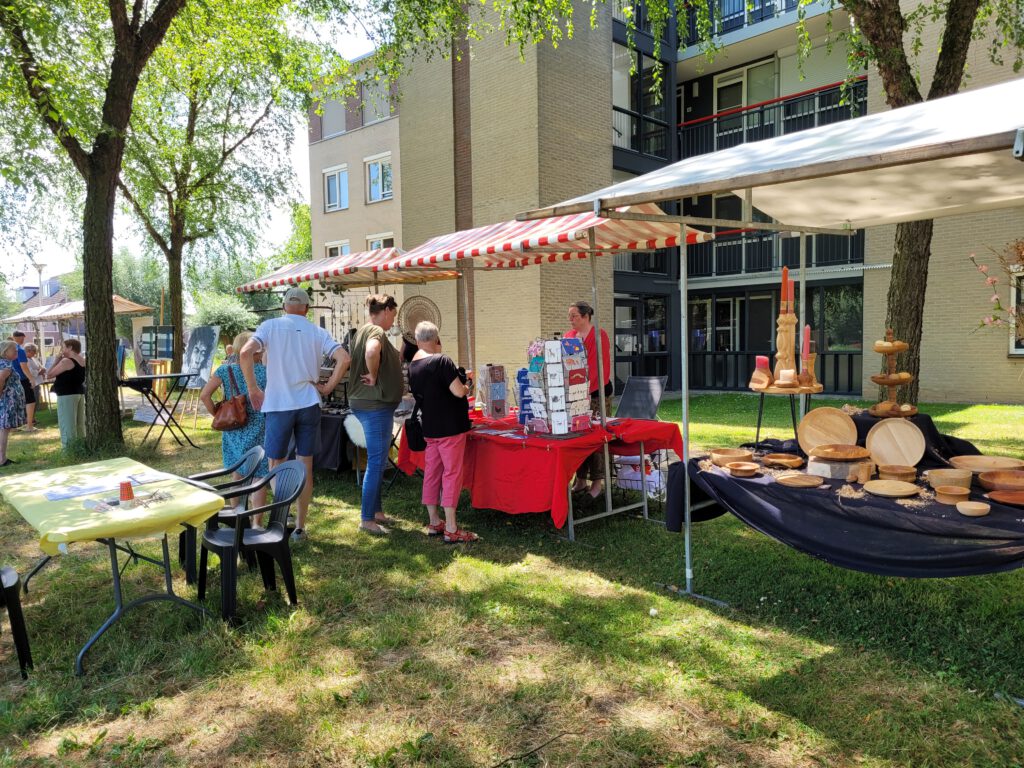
592, 247
685, 390
469, 343
803, 308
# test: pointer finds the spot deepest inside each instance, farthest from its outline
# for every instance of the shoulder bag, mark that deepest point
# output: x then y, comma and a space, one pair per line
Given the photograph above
414, 431
230, 413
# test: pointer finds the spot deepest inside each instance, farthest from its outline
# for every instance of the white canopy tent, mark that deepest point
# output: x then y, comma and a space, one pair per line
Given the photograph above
951, 156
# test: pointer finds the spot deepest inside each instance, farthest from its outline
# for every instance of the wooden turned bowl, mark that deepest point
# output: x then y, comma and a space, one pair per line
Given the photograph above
782, 460
742, 468
951, 494
897, 472
840, 452
722, 456
973, 508
961, 477
1002, 480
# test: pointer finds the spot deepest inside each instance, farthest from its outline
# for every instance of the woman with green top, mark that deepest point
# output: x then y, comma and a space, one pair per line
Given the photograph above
374, 392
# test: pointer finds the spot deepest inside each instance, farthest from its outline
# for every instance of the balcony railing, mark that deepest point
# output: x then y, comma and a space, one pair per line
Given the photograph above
730, 15
776, 117
839, 372
639, 133
753, 252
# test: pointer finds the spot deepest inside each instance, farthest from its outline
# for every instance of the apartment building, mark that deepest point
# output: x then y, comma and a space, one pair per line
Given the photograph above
355, 183
495, 134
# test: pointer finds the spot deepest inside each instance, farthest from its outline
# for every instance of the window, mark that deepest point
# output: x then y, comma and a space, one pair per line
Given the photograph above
332, 118
383, 240
339, 248
1017, 301
378, 178
336, 188
638, 116
376, 101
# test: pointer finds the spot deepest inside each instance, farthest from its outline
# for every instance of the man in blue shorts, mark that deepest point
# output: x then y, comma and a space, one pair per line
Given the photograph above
293, 349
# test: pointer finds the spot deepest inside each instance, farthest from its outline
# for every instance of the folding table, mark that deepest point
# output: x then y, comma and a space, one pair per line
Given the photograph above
54, 501
158, 389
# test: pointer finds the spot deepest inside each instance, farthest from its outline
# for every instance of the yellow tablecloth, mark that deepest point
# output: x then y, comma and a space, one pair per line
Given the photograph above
67, 520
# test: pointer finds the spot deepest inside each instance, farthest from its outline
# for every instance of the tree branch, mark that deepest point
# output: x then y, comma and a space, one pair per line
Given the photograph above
122, 29
956, 41
29, 67
146, 221
229, 150
153, 31
883, 25
137, 15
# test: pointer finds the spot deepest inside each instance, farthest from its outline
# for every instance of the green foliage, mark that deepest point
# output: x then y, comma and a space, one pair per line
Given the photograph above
140, 279
228, 312
299, 246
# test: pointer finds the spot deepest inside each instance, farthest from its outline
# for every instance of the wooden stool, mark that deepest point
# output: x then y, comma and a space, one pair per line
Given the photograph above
10, 597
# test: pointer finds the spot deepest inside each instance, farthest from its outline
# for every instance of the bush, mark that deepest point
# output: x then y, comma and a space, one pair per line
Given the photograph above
226, 311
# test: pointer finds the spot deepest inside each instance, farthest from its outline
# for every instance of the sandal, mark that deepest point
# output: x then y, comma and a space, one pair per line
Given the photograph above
435, 530
382, 519
459, 536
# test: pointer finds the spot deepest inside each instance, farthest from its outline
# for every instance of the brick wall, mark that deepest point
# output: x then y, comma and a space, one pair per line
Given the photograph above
957, 363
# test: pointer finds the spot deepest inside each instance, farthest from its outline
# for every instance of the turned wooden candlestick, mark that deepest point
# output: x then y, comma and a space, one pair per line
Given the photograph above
785, 344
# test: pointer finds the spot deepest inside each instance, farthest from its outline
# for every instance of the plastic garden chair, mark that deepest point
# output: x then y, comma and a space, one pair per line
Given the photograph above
10, 597
270, 544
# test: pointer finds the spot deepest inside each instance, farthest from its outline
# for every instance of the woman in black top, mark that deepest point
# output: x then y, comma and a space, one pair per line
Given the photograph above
440, 389
68, 375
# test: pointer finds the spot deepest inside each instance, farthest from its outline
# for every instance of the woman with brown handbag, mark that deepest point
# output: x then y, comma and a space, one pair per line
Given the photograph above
235, 442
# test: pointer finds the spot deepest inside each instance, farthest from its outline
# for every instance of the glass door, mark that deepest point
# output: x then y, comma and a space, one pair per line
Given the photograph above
627, 340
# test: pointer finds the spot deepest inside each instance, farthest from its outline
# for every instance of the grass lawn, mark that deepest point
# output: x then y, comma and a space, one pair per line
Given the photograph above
407, 652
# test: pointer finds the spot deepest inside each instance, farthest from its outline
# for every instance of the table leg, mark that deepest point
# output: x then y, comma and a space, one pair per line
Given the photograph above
121, 608
572, 521
792, 413
170, 423
760, 414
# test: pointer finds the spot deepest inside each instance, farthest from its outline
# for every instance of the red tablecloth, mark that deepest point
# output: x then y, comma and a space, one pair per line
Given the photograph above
532, 474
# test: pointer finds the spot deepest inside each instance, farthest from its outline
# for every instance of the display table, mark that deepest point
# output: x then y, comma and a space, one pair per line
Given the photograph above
65, 521
522, 474
158, 389
844, 526
330, 450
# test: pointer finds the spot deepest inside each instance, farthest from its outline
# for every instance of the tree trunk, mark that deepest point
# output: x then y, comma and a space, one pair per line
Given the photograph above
102, 412
905, 302
177, 314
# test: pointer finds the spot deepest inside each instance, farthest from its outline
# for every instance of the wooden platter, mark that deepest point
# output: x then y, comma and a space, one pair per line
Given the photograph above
893, 379
792, 389
722, 456
890, 347
979, 464
888, 409
840, 452
896, 441
1002, 480
799, 480
787, 460
897, 472
893, 489
825, 426
1011, 498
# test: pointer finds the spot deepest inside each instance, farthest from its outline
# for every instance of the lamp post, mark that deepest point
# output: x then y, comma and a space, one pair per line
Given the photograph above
39, 302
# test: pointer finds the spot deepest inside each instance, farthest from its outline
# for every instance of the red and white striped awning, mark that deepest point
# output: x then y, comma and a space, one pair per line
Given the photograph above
561, 238
355, 270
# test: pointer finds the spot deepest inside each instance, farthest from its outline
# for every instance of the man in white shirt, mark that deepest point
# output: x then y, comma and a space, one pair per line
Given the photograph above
293, 349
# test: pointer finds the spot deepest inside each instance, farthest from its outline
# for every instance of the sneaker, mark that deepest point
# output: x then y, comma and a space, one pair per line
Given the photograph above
299, 536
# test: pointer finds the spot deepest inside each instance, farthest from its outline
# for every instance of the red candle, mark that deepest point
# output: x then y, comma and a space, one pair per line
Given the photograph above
784, 293
806, 350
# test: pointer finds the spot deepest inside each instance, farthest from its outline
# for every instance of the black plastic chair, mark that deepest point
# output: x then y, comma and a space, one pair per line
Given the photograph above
10, 597
270, 544
246, 466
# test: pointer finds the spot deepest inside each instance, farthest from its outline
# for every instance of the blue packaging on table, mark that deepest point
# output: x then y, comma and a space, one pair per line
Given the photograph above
572, 346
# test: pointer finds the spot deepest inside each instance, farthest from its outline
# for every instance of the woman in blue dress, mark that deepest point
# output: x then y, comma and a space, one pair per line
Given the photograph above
12, 397
238, 441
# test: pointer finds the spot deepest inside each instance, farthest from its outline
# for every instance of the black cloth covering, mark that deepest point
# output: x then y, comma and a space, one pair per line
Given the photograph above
871, 534
329, 452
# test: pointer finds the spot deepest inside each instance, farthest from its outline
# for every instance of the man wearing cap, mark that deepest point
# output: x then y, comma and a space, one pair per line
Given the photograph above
26, 381
292, 348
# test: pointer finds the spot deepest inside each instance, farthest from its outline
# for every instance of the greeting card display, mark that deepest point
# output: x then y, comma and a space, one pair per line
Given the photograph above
562, 403
496, 391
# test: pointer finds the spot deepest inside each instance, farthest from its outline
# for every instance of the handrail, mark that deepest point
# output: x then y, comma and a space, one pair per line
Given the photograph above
776, 100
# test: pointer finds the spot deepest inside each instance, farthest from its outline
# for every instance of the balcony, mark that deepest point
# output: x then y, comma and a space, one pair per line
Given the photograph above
745, 253
730, 15
776, 117
640, 133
